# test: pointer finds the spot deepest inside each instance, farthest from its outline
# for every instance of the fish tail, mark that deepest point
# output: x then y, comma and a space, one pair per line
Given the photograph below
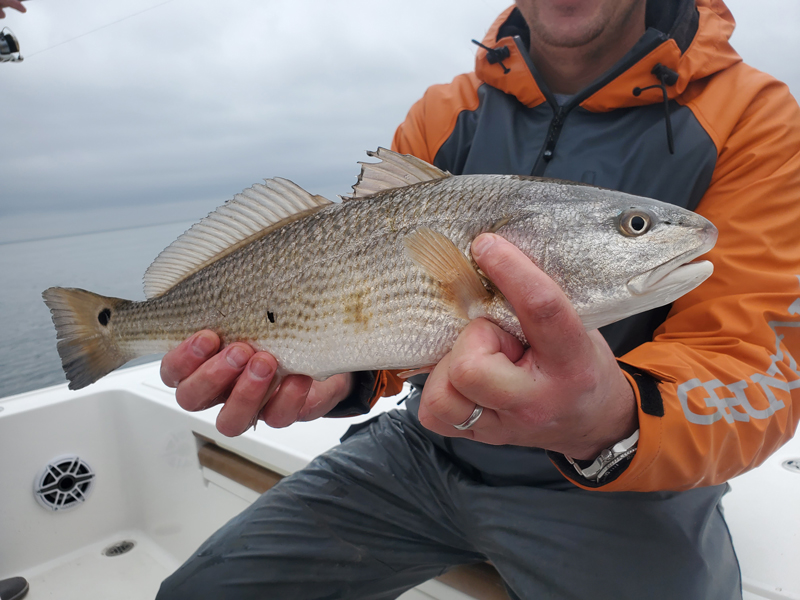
85, 330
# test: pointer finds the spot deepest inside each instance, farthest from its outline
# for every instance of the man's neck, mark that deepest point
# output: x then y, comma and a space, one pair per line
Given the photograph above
567, 70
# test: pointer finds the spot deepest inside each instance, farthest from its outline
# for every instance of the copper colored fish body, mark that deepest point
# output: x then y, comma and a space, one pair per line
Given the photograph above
385, 279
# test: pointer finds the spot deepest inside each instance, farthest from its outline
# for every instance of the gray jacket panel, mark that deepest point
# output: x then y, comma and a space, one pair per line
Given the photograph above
625, 150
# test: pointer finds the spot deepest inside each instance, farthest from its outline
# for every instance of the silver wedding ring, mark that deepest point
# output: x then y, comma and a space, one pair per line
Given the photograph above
473, 418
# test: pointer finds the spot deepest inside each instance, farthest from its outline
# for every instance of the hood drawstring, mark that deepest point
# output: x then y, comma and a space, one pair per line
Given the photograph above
667, 77
496, 55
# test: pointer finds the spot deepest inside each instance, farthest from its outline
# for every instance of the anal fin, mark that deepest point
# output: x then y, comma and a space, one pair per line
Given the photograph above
411, 372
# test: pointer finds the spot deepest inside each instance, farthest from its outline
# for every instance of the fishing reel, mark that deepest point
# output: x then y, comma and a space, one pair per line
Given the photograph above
9, 46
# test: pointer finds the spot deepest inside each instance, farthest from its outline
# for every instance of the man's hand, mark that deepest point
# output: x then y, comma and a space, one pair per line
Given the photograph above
15, 4
241, 378
565, 393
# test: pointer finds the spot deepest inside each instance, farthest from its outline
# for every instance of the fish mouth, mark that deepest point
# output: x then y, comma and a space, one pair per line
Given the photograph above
680, 274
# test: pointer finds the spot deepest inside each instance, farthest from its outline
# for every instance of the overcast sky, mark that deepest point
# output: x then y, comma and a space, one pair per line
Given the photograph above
171, 111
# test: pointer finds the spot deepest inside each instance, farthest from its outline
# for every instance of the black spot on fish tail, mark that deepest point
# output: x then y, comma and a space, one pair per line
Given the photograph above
271, 317
104, 317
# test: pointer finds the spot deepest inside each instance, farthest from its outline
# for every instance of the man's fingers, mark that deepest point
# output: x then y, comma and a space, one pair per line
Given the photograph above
324, 395
15, 4
483, 366
547, 317
442, 406
284, 407
248, 395
213, 377
184, 360
11, 4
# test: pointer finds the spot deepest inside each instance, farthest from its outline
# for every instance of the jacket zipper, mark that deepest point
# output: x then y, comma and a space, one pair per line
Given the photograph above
654, 39
549, 148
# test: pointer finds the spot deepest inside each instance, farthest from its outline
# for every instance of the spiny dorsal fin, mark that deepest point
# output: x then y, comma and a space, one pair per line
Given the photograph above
440, 258
394, 171
234, 224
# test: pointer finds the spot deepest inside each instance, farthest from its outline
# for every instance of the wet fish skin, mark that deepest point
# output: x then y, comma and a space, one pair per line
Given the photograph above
335, 288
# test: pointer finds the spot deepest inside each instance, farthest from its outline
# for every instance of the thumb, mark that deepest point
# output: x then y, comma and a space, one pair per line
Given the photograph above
546, 315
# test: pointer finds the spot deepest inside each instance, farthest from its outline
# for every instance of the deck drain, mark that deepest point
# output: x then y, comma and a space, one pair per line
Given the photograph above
64, 483
792, 464
119, 548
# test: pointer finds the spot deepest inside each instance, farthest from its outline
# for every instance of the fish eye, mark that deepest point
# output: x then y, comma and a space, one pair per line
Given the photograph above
635, 223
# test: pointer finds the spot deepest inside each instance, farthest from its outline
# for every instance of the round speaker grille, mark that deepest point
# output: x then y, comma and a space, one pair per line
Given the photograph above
64, 483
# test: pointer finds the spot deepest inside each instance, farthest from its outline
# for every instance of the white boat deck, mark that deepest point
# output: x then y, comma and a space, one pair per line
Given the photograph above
151, 489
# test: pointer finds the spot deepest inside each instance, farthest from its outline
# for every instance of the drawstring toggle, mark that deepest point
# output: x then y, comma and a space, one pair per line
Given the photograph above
496, 55
666, 76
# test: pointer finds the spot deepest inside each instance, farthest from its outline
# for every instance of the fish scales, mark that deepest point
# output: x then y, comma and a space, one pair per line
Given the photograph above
384, 281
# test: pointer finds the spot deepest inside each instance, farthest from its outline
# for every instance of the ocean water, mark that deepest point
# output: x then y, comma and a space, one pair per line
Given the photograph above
111, 263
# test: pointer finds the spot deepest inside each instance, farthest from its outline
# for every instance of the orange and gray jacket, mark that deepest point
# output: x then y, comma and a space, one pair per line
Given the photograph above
682, 119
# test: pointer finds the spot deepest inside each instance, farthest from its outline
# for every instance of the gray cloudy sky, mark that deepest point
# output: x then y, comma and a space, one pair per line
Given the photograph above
170, 112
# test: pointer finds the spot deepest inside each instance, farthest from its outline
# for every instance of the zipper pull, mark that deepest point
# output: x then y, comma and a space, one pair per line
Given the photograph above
555, 130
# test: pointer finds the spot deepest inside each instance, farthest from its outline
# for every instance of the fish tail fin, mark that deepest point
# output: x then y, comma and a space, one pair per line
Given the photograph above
84, 328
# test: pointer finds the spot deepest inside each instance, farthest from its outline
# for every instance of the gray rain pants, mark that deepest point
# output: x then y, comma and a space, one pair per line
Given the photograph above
387, 510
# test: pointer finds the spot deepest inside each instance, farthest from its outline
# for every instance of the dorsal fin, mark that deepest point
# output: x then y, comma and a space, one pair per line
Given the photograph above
237, 222
394, 171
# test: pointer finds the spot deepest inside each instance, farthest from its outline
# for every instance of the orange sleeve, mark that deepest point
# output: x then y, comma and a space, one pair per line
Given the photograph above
726, 357
387, 383
432, 119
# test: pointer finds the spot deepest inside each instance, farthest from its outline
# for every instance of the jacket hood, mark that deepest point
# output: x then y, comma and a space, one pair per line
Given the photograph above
691, 38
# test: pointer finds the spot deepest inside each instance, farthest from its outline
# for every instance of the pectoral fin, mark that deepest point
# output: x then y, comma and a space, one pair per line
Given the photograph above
439, 257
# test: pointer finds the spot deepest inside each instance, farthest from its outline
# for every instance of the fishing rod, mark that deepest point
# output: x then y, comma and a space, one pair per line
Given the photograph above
9, 44
6, 54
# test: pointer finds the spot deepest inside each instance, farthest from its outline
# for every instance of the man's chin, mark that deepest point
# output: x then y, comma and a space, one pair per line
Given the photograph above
567, 35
